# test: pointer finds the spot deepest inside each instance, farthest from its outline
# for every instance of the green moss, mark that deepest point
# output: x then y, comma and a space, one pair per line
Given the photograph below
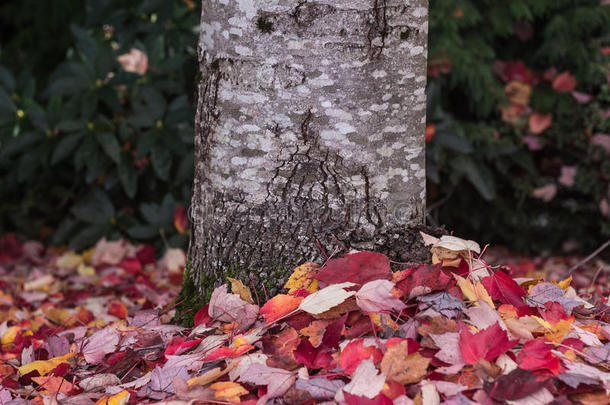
191, 299
264, 25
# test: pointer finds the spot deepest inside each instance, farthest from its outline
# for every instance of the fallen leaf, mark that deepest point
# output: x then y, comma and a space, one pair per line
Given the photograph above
486, 344
237, 287
358, 268
120, 398
402, 367
45, 366
98, 345
355, 352
226, 307
302, 278
228, 391
375, 296
366, 381
325, 299
277, 380
279, 306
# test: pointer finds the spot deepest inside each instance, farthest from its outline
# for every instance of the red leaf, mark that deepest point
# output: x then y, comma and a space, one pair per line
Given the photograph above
504, 289
312, 357
131, 264
180, 221
332, 334
516, 384
11, 248
487, 344
202, 316
380, 399
358, 268
353, 354
118, 309
564, 82
420, 280
178, 345
146, 255
554, 312
536, 355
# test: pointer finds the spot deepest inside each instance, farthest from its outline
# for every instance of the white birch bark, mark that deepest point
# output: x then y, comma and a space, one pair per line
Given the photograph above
310, 126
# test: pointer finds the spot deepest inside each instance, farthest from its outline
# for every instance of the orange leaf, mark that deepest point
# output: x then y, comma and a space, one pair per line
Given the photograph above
52, 385
403, 367
430, 131
564, 82
120, 398
118, 309
279, 306
228, 391
539, 122
180, 221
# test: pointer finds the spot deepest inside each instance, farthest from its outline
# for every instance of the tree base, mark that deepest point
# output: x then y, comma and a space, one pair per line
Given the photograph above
404, 248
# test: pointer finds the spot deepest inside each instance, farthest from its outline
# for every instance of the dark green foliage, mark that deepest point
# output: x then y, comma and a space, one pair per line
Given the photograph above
88, 149
481, 173
85, 153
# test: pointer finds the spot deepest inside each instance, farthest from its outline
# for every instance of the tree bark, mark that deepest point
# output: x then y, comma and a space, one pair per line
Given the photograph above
309, 134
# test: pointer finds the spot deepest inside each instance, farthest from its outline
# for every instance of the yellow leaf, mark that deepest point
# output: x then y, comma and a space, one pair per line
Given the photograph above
10, 335
84, 270
556, 332
302, 279
69, 260
564, 284
45, 366
237, 287
120, 398
228, 391
472, 292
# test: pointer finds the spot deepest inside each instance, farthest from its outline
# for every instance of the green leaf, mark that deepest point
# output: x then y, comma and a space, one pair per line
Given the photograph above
7, 79
129, 177
110, 145
453, 142
95, 208
65, 146
143, 232
477, 174
161, 160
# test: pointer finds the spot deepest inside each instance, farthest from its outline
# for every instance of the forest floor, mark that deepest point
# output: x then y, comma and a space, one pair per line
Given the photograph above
476, 327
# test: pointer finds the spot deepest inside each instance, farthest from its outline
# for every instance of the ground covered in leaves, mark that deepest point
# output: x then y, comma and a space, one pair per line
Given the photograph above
95, 328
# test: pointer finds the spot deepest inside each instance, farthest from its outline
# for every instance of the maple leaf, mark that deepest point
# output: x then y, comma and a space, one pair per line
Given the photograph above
420, 280
403, 367
486, 344
302, 279
227, 307
237, 287
358, 268
355, 352
319, 388
45, 366
312, 357
366, 381
516, 385
504, 289
98, 345
375, 296
277, 380
52, 385
120, 398
228, 391
325, 299
279, 306
536, 355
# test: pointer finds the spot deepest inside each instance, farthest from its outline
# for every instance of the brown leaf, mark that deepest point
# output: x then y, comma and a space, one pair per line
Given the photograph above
436, 326
402, 367
592, 398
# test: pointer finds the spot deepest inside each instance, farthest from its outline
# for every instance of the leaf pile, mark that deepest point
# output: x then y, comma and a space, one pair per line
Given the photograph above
93, 329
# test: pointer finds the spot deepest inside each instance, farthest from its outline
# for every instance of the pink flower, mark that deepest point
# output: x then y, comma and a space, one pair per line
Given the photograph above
135, 61
604, 207
532, 142
602, 140
568, 174
582, 98
539, 122
545, 193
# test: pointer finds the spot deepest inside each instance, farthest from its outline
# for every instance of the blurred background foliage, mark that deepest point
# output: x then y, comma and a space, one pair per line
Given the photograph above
96, 120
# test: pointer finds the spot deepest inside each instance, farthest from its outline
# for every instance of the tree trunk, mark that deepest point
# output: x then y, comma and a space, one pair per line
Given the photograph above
309, 134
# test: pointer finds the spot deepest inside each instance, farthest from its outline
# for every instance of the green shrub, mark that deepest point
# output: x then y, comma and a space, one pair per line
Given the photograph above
88, 149
91, 149
496, 172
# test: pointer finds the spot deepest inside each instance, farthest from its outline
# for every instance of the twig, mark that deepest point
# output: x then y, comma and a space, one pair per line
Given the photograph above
591, 256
